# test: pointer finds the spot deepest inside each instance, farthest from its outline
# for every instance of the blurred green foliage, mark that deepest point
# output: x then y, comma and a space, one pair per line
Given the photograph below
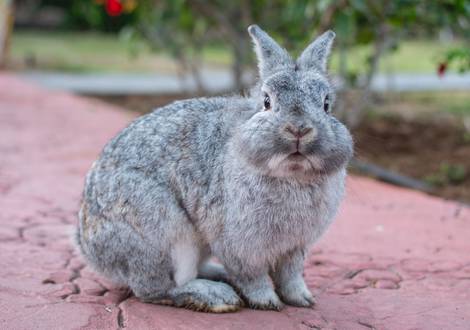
448, 174
185, 27
458, 58
90, 15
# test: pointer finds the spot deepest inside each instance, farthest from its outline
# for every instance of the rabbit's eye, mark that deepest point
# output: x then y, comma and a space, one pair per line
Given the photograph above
326, 104
267, 102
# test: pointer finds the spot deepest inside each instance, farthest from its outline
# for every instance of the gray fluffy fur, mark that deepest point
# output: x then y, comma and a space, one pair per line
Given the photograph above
219, 177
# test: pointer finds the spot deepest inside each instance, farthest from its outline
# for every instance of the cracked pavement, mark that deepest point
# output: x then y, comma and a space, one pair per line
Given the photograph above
394, 258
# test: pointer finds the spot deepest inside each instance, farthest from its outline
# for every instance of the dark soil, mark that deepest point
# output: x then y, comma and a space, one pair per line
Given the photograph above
434, 150
142, 103
427, 148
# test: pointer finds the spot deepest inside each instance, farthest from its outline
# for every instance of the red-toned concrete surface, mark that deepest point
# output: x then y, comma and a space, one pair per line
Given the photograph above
394, 259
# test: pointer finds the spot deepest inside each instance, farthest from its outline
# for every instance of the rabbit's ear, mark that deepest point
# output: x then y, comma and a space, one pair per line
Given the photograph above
316, 54
271, 56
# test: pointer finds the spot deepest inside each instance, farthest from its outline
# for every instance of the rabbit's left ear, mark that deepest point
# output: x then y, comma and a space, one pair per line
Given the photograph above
316, 54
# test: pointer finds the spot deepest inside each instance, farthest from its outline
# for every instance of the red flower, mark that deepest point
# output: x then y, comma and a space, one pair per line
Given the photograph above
113, 7
441, 69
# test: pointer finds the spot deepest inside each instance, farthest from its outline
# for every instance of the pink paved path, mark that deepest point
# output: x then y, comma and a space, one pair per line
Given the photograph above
394, 259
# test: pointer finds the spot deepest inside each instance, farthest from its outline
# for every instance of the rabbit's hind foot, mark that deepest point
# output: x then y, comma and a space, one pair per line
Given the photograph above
202, 296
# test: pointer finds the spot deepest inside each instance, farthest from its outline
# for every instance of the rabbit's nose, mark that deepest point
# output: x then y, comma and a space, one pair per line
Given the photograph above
298, 131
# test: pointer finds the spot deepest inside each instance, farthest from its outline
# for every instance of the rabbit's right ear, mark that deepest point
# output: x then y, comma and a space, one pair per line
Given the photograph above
316, 54
271, 56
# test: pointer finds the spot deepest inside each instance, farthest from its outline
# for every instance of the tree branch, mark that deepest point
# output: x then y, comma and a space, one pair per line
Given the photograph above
326, 20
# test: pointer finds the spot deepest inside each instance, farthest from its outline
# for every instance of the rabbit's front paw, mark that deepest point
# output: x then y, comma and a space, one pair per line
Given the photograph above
297, 294
264, 299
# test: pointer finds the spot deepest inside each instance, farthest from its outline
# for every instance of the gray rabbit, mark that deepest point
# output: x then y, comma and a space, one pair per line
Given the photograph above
253, 181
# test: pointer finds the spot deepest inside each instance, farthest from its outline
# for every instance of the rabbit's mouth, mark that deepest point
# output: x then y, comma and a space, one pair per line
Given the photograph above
296, 156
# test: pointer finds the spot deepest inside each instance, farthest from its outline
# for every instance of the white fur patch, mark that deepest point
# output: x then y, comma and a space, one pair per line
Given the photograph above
185, 257
275, 161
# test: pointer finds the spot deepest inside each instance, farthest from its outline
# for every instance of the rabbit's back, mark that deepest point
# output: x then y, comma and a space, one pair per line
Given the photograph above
168, 135
183, 136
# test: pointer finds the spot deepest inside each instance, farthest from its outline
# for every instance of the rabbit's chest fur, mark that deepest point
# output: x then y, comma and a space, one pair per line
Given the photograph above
269, 217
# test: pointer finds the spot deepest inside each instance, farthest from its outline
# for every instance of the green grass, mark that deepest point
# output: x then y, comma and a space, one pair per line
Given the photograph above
83, 52
412, 56
416, 56
86, 52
